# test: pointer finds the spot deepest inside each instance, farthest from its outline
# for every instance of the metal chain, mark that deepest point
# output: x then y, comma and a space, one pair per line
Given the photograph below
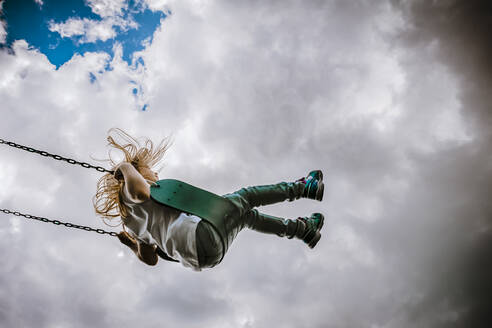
57, 157
57, 222
159, 252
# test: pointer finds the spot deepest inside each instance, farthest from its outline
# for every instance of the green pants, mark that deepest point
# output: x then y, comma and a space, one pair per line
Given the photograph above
209, 246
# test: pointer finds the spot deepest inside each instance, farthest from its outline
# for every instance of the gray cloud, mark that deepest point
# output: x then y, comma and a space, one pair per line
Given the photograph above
461, 177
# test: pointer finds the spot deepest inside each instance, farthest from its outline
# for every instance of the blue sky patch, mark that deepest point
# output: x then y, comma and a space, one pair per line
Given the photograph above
31, 21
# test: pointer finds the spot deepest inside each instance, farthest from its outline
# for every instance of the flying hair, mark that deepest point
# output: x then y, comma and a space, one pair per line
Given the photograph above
140, 153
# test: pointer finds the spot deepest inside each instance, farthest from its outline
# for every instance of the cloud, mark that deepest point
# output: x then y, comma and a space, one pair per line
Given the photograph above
159, 5
3, 32
92, 30
107, 8
3, 25
456, 32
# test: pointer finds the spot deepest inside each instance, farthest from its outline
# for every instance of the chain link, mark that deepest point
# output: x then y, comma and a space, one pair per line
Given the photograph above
58, 222
57, 157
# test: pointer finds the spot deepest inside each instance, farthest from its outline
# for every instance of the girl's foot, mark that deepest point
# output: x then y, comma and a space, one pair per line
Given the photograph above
314, 187
313, 225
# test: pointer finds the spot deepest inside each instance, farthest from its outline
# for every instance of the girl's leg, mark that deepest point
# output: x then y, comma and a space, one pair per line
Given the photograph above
209, 246
305, 228
270, 194
270, 224
310, 186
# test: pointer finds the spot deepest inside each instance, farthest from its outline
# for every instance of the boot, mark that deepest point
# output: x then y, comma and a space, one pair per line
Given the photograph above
310, 233
313, 185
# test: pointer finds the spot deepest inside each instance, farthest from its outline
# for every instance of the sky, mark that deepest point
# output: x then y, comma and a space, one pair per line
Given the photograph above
390, 98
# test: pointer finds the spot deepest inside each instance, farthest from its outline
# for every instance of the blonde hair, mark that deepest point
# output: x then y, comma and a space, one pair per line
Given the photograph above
139, 152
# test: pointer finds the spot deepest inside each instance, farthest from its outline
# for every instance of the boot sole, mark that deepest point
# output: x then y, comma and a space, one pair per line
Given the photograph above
320, 191
315, 240
322, 223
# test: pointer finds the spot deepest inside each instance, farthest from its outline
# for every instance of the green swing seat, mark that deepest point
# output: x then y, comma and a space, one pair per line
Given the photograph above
193, 200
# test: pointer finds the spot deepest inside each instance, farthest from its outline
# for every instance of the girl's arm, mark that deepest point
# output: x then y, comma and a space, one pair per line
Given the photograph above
146, 253
135, 185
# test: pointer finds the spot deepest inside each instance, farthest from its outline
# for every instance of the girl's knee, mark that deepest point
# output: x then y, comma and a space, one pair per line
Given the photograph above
250, 217
239, 201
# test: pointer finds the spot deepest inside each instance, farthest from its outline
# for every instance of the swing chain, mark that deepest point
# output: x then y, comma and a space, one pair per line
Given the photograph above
57, 157
57, 222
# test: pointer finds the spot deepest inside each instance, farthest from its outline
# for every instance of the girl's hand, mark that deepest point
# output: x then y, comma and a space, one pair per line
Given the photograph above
127, 240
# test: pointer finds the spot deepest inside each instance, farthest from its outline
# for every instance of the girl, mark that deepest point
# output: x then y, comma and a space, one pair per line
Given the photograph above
150, 228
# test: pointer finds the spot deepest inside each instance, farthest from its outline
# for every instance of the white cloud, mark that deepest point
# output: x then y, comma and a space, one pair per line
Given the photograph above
91, 30
3, 32
39, 2
71, 27
3, 27
159, 5
108, 8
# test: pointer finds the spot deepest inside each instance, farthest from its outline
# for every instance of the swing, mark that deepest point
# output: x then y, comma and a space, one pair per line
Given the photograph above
192, 200
170, 192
